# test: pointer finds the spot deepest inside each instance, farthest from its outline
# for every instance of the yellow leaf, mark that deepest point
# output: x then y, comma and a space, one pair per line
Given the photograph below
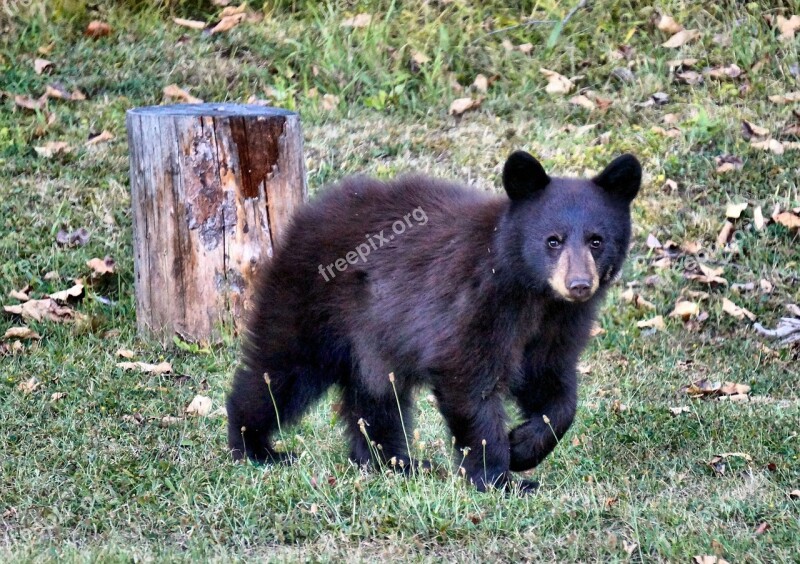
227, 23
173, 91
102, 137
685, 309
20, 333
738, 312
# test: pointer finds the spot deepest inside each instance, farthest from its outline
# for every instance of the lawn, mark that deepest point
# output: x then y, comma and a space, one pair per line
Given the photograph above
665, 461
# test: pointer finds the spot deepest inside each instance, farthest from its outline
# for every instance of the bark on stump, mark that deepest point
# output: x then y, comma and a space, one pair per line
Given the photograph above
212, 188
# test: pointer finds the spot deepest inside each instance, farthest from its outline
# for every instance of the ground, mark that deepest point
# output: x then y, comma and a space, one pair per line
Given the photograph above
90, 469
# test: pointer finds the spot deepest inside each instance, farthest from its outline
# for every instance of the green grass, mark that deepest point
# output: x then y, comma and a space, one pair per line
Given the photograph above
81, 479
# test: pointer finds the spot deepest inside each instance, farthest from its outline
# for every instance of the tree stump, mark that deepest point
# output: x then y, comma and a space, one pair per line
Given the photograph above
212, 188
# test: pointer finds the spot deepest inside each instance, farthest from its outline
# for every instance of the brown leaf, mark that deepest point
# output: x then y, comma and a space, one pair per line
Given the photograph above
787, 27
672, 132
678, 63
52, 148
685, 309
20, 333
173, 91
762, 528
706, 275
678, 410
656, 323
709, 560
769, 145
200, 406
102, 137
750, 130
525, 48
41, 65
461, 105
30, 104
329, 102
689, 77
102, 267
738, 312
59, 91
734, 211
169, 420
668, 25
30, 385
227, 23
582, 101
725, 234
97, 29
794, 494
788, 98
788, 219
68, 295
46, 309
733, 389
193, 24
681, 38
360, 20
79, 237
728, 163
161, 368
125, 353
556, 83
20, 295
481, 83
55, 396
730, 71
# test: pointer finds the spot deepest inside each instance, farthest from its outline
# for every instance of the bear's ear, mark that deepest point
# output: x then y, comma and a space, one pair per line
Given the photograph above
523, 176
621, 178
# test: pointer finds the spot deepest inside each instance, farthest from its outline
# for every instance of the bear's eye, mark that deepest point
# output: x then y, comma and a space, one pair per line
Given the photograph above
595, 242
553, 242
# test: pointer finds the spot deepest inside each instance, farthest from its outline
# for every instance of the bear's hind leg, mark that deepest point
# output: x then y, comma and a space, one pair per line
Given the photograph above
375, 426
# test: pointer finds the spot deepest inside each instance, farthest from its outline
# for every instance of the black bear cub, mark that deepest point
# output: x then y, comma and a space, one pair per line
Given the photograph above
477, 296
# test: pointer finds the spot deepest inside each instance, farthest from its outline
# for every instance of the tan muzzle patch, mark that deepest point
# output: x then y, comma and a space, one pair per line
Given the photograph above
574, 271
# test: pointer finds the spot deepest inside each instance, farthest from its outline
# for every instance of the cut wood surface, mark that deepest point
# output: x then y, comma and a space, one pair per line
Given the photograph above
212, 188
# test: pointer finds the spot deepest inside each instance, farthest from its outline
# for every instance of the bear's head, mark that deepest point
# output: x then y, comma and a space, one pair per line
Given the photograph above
571, 235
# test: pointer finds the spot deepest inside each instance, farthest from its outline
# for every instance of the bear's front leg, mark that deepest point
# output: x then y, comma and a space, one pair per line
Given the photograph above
478, 424
549, 416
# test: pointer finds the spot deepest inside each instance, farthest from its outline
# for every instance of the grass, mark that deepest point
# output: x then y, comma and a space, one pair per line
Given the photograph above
94, 476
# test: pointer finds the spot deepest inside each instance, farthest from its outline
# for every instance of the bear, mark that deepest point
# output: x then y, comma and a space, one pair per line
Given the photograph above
382, 287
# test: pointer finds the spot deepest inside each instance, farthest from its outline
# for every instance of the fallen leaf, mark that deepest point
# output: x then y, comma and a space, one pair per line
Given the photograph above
706, 275
525, 48
788, 98
678, 63
102, 267
30, 385
734, 211
685, 309
556, 83
193, 24
679, 410
794, 494
709, 560
672, 132
79, 237
30, 104
689, 77
582, 101
41, 65
681, 38
420, 58
733, 389
124, 353
20, 333
738, 312
788, 219
20, 295
102, 137
656, 323
52, 148
461, 105
59, 91
46, 309
787, 27
161, 368
652, 242
762, 528
169, 420
227, 23
728, 163
360, 20
668, 25
750, 130
765, 286
70, 294
330, 102
730, 71
200, 406
769, 145
97, 29
481, 83
55, 396
725, 233
173, 91
637, 300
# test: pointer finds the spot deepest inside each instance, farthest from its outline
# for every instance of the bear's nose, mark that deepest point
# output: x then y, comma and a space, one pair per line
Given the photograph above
580, 289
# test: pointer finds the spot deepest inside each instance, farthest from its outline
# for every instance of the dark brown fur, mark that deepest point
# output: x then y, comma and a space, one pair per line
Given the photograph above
460, 303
